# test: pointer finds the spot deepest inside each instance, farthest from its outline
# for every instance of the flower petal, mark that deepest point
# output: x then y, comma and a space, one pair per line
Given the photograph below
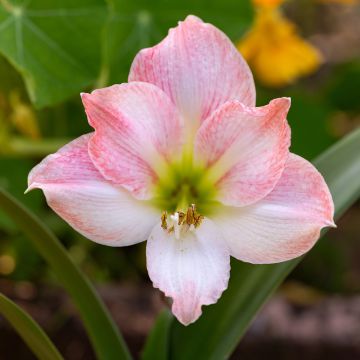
245, 149
286, 223
193, 270
137, 131
76, 191
198, 67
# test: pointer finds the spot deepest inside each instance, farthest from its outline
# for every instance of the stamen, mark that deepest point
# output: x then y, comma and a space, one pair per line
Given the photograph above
181, 222
181, 218
163, 220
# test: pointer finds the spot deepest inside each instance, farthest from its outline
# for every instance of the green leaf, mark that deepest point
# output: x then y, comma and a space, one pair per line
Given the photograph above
133, 25
104, 335
29, 330
308, 118
157, 344
55, 45
340, 92
215, 335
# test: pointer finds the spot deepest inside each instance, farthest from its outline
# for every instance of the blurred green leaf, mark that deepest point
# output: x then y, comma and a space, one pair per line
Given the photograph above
133, 25
343, 90
157, 344
27, 148
13, 177
29, 330
103, 333
10, 79
58, 46
308, 118
215, 335
55, 45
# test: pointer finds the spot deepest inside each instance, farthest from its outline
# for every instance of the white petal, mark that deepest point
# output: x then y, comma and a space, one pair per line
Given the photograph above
286, 223
193, 270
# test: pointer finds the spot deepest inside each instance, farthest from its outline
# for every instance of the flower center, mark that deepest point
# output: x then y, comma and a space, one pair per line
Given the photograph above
182, 186
180, 222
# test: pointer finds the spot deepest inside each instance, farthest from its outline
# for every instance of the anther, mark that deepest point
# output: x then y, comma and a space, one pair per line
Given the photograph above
180, 222
164, 220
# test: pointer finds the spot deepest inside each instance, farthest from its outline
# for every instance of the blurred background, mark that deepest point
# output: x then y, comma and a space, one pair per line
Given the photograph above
52, 50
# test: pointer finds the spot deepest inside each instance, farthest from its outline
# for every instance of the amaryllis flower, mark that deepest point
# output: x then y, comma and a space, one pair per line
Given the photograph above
182, 158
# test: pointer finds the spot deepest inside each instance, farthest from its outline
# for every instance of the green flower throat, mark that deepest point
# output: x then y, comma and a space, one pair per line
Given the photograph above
184, 186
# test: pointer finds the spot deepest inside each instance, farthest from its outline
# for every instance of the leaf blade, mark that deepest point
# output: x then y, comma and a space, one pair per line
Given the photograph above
54, 64
157, 344
104, 335
29, 330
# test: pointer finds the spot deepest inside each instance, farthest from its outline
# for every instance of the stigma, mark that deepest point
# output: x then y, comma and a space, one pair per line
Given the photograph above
181, 222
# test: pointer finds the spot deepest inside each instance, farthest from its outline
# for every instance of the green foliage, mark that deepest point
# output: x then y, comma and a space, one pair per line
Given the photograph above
54, 45
308, 118
104, 335
29, 330
158, 345
63, 47
341, 90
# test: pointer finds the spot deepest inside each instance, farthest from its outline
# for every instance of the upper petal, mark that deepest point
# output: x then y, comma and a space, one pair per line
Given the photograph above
96, 208
245, 149
137, 131
286, 223
198, 67
193, 270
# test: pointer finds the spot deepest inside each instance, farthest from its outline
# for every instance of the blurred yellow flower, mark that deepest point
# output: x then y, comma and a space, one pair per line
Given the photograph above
275, 51
269, 3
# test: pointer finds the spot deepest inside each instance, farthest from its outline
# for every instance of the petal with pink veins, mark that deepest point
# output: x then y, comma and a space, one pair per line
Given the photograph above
193, 270
198, 67
96, 208
137, 132
286, 223
244, 149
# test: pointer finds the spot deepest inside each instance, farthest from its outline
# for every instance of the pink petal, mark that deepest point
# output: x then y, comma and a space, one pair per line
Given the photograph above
137, 131
286, 223
245, 149
198, 67
193, 270
76, 191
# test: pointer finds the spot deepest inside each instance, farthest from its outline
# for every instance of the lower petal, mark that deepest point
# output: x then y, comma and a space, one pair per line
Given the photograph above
93, 206
286, 223
193, 270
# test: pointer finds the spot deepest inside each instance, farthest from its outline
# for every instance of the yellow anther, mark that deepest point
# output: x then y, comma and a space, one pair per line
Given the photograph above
164, 220
180, 222
181, 218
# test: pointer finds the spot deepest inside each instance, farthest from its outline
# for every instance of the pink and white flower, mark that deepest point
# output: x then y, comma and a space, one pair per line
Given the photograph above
181, 156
